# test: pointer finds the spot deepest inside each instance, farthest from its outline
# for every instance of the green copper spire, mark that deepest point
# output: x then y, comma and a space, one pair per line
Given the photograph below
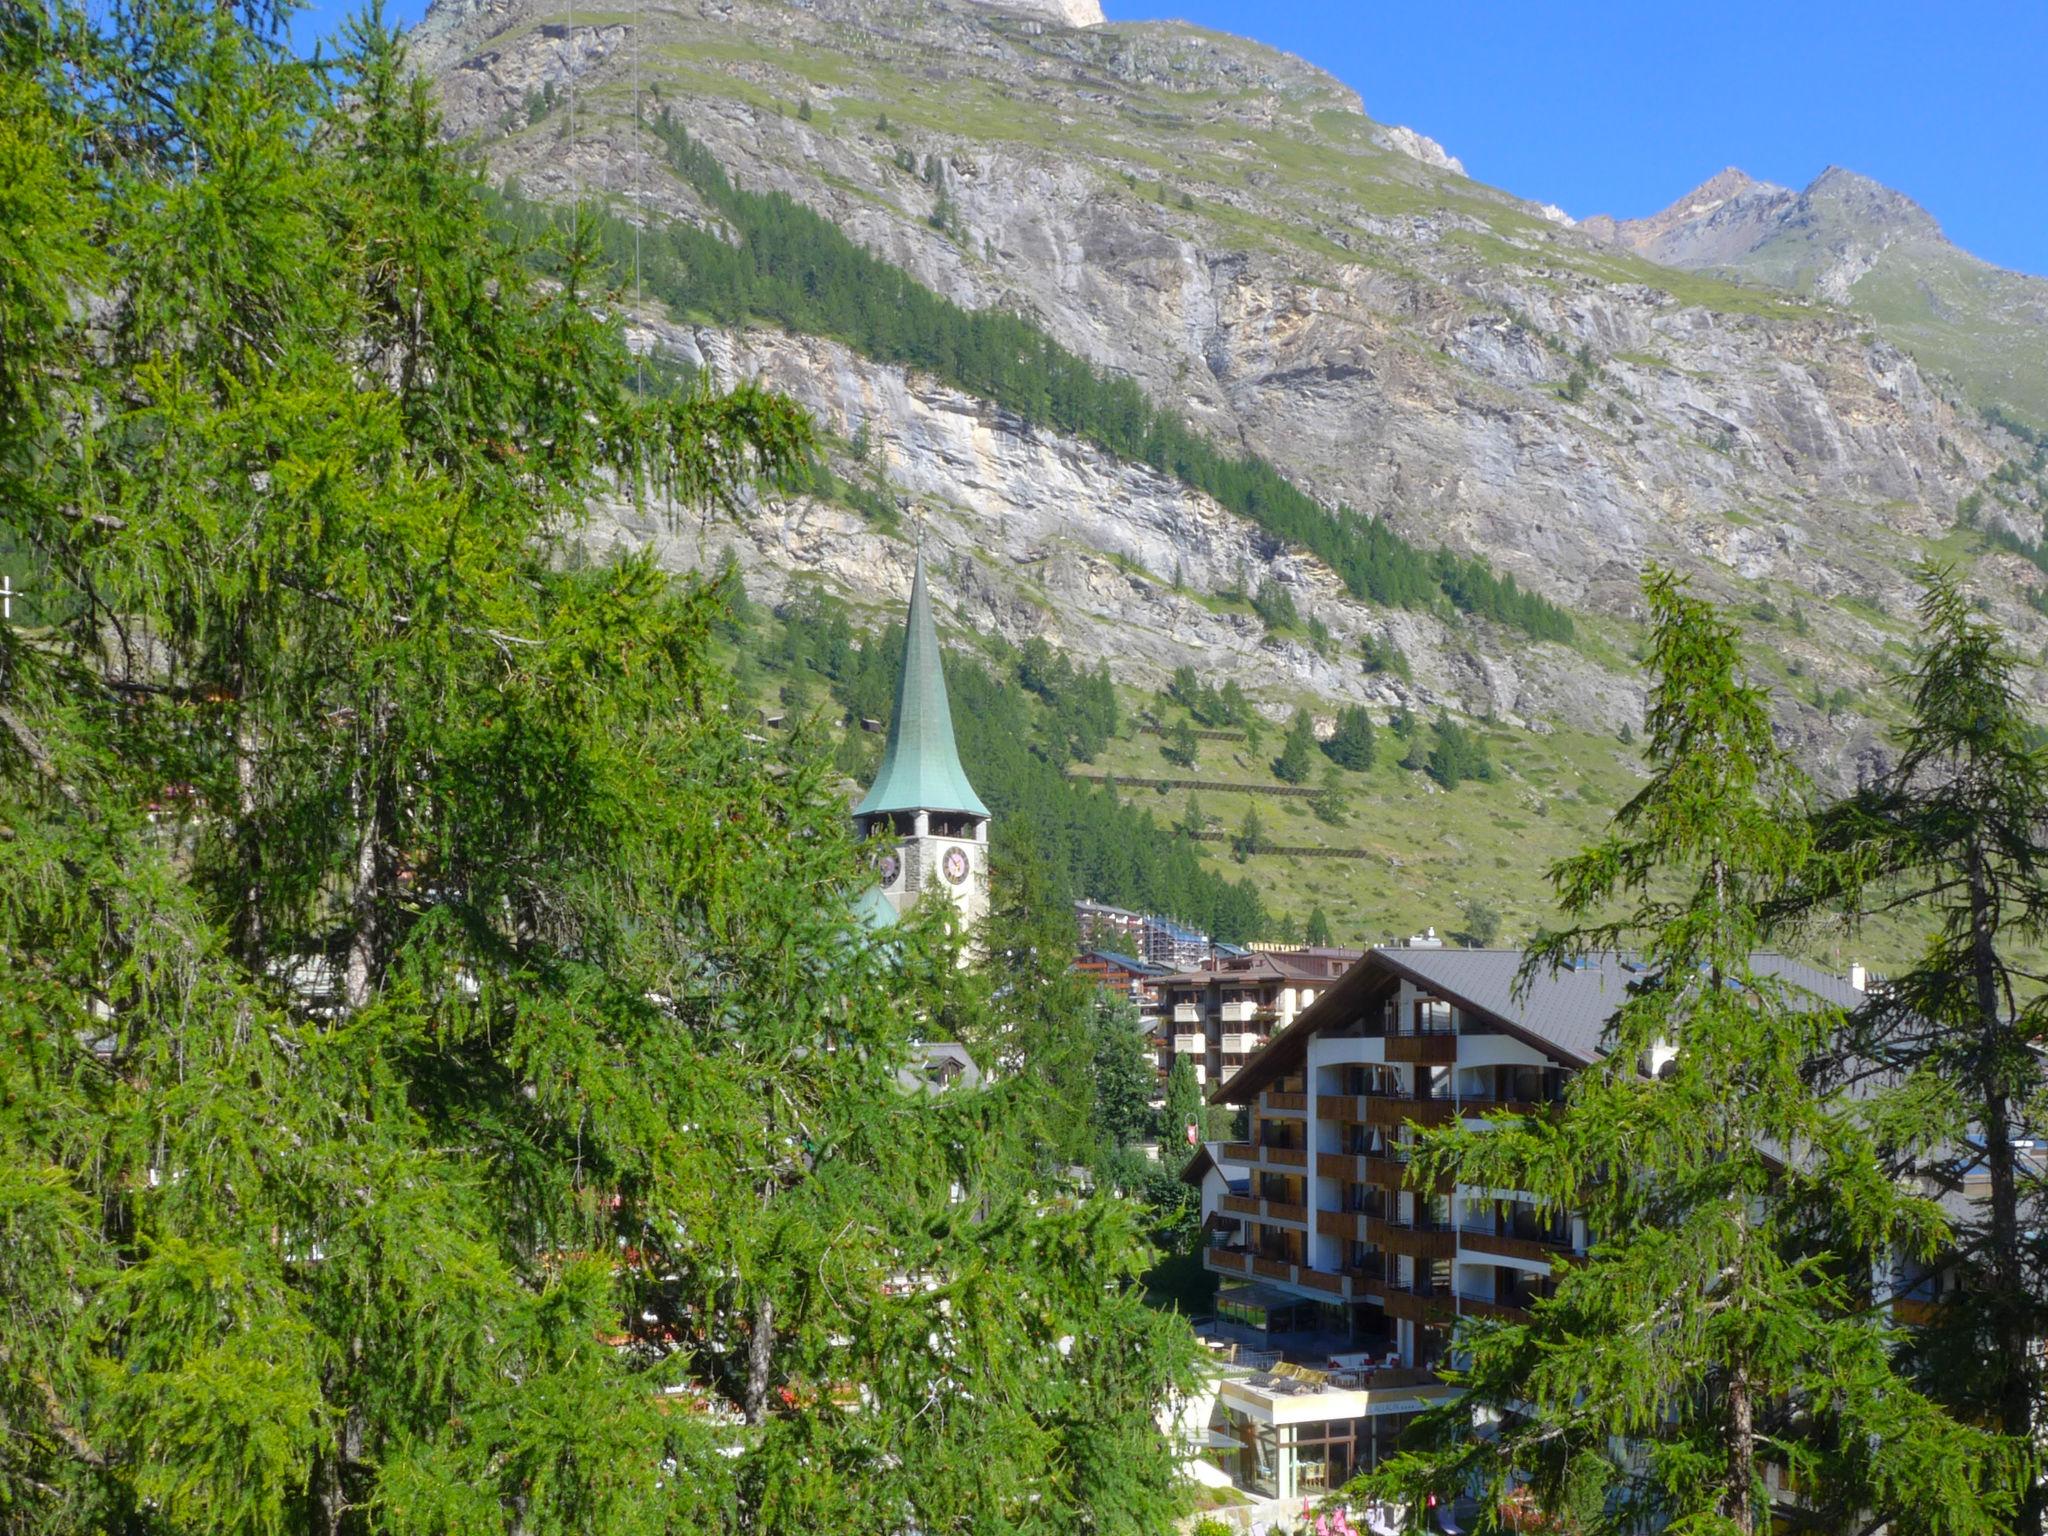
921, 769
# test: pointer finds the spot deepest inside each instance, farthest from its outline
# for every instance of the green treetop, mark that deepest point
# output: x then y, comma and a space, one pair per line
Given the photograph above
1956, 828
443, 1059
1297, 753
1721, 1320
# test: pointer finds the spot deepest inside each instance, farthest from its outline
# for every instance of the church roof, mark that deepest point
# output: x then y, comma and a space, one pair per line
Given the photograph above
873, 909
921, 768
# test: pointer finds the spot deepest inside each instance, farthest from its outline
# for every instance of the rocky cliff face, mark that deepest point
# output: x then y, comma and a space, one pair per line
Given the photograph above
1066, 13
1224, 224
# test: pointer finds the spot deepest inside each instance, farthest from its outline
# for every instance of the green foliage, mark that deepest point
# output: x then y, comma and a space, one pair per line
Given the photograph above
1385, 656
1721, 1315
1351, 744
1081, 706
1317, 929
1402, 723
1181, 747
420, 1094
1251, 839
1183, 1103
1328, 803
1124, 1077
1482, 924
1459, 754
1274, 604
1298, 751
1957, 825
794, 267
1212, 707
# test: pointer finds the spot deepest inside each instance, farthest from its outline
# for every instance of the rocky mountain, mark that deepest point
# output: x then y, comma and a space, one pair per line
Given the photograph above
1226, 226
1854, 242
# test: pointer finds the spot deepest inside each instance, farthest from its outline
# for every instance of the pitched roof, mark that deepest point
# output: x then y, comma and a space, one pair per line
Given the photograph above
921, 766
1561, 1012
873, 908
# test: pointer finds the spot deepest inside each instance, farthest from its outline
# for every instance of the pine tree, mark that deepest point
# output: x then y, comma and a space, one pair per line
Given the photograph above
1329, 802
1183, 1105
1956, 828
1251, 837
421, 1090
1318, 930
1720, 1318
1298, 751
1124, 1078
1351, 744
1194, 820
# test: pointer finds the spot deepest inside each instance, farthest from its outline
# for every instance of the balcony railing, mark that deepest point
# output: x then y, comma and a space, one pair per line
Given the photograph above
1244, 1205
1187, 1013
1514, 1245
1286, 1103
1345, 1224
1339, 1106
1416, 1242
1238, 1010
1240, 1152
1391, 1112
1286, 1210
1432, 1049
1226, 1260
1285, 1157
1241, 1043
1190, 1045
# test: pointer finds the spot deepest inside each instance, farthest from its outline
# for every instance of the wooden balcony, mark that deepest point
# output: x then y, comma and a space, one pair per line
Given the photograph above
1339, 1106
1506, 1245
1272, 1269
1474, 1108
1392, 1112
1434, 1050
1285, 1157
1476, 1306
1287, 1211
1430, 1311
1323, 1280
1285, 1103
1339, 1224
1416, 1242
1338, 1165
1912, 1312
1240, 1152
1224, 1261
1243, 1205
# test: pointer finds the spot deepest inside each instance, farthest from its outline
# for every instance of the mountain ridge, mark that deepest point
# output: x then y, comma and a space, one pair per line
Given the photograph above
1222, 224
1853, 241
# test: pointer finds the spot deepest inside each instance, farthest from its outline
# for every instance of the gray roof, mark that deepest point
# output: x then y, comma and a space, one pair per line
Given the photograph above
1569, 1008
1563, 1012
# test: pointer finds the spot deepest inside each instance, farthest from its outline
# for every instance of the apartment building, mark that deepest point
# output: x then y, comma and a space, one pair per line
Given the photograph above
1330, 1252
1223, 1011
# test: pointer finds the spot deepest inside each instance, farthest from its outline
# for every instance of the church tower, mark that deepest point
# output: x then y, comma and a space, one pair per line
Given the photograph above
921, 796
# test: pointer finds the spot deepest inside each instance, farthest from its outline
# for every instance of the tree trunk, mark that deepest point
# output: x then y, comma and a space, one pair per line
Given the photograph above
1740, 1429
760, 1352
376, 877
2016, 1343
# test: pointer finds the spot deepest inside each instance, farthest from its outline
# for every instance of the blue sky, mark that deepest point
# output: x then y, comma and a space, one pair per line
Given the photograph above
1606, 107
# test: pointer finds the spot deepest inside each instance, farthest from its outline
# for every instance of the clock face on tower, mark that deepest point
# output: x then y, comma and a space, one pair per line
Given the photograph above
955, 864
890, 866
